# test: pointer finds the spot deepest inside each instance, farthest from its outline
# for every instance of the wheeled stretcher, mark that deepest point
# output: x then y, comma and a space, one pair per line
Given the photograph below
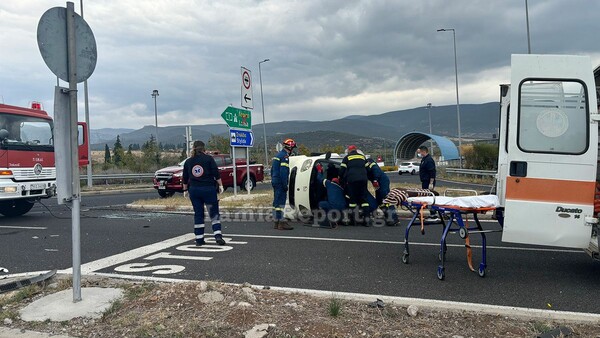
454, 213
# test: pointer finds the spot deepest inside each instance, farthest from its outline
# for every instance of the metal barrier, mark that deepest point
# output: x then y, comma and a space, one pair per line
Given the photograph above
114, 177
471, 172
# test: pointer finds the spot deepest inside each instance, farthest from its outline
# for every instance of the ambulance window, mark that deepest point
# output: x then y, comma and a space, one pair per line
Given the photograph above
553, 117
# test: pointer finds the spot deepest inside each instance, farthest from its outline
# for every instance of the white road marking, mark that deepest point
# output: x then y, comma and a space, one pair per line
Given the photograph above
398, 242
20, 227
475, 308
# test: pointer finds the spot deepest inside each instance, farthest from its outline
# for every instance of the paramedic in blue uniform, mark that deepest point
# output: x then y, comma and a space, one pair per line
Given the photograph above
426, 168
353, 175
381, 183
280, 171
336, 199
201, 179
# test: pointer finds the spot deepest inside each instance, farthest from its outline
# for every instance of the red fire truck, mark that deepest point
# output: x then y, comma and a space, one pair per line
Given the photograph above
27, 170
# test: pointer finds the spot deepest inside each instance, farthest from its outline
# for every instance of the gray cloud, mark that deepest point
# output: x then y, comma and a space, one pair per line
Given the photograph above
328, 58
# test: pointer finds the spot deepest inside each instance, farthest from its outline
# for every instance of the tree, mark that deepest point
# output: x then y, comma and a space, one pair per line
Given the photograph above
219, 143
183, 155
118, 152
482, 156
129, 159
303, 150
150, 153
107, 158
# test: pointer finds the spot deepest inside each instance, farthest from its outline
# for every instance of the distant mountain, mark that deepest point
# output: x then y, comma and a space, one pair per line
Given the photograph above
107, 135
478, 121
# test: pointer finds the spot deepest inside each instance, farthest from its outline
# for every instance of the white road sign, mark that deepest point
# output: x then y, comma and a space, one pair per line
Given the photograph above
247, 101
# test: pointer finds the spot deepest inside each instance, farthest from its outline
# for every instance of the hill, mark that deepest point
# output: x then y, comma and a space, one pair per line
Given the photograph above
478, 121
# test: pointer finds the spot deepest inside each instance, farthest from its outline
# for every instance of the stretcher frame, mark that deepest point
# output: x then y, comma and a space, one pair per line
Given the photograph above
450, 215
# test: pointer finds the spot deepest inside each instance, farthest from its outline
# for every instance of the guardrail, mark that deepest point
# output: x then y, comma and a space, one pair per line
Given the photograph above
471, 172
116, 177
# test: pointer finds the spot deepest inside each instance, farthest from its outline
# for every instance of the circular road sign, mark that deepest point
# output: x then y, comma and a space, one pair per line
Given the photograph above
246, 79
52, 42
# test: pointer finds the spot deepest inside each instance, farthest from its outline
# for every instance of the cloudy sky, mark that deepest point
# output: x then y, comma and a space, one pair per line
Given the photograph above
328, 58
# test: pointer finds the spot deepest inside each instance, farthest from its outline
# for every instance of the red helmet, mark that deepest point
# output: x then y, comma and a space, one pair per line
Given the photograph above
351, 148
335, 180
289, 144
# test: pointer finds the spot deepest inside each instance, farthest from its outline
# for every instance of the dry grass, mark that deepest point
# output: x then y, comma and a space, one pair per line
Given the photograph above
173, 310
172, 203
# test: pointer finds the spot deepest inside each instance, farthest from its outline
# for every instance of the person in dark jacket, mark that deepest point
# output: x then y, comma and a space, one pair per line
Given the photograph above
353, 175
201, 178
426, 168
427, 173
280, 171
381, 183
336, 199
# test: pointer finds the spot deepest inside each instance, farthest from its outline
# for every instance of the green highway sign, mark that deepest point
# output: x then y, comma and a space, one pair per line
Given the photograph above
237, 118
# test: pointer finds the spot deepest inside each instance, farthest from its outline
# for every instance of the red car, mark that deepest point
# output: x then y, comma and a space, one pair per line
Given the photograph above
167, 181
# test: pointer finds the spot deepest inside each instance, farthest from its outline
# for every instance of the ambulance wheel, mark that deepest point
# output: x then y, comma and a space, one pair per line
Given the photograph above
463, 232
252, 183
405, 258
440, 273
481, 272
15, 208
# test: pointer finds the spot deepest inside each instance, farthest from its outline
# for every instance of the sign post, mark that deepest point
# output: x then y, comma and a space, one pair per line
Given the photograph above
68, 48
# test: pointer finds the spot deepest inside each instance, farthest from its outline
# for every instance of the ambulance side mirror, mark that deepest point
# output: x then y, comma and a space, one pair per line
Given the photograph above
3, 134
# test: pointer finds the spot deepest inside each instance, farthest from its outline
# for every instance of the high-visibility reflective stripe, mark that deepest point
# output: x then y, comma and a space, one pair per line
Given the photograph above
199, 236
216, 222
278, 209
198, 226
218, 232
277, 158
285, 164
325, 182
343, 165
364, 205
372, 164
352, 205
355, 157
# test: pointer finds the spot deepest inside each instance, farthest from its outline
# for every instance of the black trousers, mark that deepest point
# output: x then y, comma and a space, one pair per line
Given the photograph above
358, 194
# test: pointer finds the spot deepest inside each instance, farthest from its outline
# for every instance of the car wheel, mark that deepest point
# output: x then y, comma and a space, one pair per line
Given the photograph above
252, 183
413, 172
399, 173
165, 194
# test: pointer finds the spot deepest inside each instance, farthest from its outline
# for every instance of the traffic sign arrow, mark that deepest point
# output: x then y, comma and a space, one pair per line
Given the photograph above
237, 118
247, 98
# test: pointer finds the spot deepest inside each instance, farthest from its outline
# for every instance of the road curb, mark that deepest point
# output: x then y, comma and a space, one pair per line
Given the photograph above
431, 304
112, 192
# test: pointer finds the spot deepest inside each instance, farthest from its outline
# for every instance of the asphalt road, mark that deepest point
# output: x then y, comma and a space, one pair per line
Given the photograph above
350, 259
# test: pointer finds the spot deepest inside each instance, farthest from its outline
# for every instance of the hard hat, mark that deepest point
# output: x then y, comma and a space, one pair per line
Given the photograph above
335, 180
289, 144
351, 147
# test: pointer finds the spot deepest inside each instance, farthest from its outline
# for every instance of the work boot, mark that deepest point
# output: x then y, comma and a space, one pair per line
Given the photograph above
220, 240
276, 225
284, 225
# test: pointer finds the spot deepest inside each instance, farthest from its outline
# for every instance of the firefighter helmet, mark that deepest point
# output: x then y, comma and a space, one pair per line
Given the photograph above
289, 144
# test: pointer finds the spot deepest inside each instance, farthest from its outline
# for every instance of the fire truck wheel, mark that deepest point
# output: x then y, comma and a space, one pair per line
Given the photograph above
15, 208
165, 194
252, 183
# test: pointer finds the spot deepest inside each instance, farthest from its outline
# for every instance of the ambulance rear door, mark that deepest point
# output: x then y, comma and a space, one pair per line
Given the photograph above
552, 151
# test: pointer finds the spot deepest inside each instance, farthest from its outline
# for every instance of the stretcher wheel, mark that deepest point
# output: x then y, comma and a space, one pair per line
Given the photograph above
481, 271
440, 273
405, 258
463, 232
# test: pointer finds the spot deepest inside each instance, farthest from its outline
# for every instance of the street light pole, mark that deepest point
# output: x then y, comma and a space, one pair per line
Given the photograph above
527, 20
430, 128
457, 102
262, 104
154, 95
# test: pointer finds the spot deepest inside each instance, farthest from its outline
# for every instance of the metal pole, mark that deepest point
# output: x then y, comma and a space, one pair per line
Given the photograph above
75, 199
154, 95
262, 104
430, 129
234, 171
457, 102
527, 19
248, 179
87, 118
